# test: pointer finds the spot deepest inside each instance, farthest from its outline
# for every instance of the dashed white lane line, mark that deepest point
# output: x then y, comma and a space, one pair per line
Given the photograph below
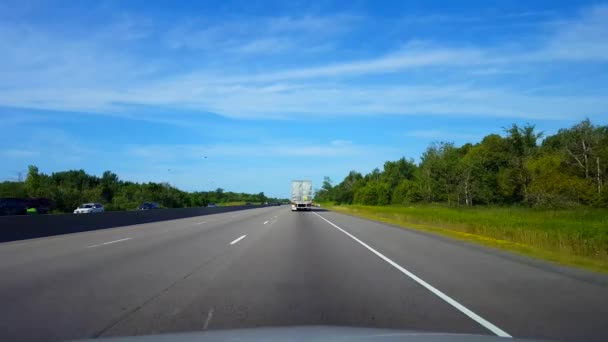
496, 330
265, 222
237, 240
201, 222
109, 242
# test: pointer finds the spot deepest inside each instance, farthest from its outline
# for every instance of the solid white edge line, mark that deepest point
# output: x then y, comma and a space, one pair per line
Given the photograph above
237, 240
496, 330
109, 242
266, 222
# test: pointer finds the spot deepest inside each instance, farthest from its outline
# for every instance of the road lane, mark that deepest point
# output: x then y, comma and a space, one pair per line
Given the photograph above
298, 271
70, 291
472, 315
238, 239
36, 250
525, 297
284, 268
110, 242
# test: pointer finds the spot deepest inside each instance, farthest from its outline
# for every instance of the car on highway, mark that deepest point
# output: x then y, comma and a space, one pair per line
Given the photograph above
211, 205
39, 205
13, 206
89, 208
148, 206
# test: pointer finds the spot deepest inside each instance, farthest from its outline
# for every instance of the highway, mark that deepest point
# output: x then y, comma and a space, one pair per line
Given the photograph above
273, 267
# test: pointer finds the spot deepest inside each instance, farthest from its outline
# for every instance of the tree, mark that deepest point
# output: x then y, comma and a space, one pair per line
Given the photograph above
373, 193
585, 147
395, 172
345, 191
514, 180
70, 188
440, 173
326, 193
109, 185
553, 185
407, 191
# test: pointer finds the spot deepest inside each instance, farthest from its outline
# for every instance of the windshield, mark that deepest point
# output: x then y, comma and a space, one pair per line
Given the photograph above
435, 167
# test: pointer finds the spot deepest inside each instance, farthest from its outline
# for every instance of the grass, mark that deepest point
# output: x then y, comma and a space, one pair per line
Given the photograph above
574, 237
229, 204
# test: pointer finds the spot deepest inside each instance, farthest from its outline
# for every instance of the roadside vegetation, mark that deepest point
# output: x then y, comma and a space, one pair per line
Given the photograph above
576, 237
68, 189
513, 191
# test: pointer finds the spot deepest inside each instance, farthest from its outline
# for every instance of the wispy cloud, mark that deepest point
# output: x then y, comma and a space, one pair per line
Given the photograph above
335, 148
253, 36
43, 70
580, 40
19, 154
438, 134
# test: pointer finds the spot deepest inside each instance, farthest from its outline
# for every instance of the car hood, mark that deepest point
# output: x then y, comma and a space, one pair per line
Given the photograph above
309, 333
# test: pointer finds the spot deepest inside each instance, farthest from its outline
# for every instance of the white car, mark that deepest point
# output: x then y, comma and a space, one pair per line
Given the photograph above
89, 208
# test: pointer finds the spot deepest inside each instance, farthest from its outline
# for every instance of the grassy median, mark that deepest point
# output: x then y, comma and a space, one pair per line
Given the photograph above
577, 237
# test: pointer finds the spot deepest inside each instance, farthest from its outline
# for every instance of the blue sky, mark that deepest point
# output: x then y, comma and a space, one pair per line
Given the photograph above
271, 91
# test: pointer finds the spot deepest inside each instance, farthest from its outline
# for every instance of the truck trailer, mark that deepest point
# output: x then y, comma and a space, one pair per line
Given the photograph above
301, 195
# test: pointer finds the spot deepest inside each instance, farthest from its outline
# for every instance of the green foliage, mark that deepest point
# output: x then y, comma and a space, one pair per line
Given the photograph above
68, 189
12, 189
405, 192
373, 193
568, 169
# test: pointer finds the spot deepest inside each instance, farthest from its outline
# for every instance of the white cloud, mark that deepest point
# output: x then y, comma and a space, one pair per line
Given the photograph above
251, 36
340, 142
41, 70
581, 40
438, 134
19, 154
295, 148
264, 46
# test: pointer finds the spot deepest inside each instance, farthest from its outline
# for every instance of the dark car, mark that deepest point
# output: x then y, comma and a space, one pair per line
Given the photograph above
148, 206
39, 205
13, 206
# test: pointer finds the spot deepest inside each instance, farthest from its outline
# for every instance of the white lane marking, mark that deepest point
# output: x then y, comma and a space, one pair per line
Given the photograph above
109, 242
208, 320
266, 222
201, 222
237, 240
496, 330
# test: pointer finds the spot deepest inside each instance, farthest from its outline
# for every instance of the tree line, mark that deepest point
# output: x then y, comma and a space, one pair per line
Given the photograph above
566, 169
68, 189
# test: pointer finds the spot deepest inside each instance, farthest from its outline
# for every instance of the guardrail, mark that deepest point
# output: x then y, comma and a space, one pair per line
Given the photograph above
14, 228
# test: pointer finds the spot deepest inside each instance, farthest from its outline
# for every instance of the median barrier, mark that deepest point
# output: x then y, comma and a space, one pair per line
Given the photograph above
14, 228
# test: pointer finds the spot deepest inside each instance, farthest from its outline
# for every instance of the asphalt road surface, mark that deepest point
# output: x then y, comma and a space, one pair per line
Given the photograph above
274, 267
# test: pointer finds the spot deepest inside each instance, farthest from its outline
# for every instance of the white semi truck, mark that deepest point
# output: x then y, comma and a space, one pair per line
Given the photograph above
301, 195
